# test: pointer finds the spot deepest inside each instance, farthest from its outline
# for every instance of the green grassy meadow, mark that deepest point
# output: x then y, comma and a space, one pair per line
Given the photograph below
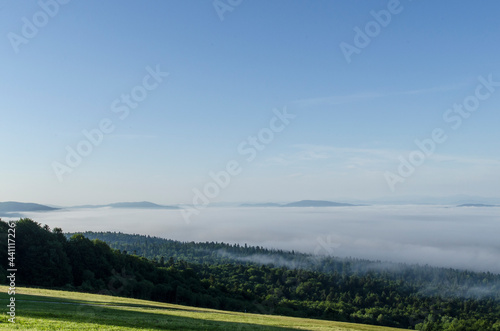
40, 309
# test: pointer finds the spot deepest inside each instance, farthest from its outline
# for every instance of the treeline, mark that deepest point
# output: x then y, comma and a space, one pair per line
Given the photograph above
428, 280
46, 258
355, 290
351, 291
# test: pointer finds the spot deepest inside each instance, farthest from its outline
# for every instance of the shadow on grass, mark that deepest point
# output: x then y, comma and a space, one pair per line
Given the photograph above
33, 298
72, 311
70, 301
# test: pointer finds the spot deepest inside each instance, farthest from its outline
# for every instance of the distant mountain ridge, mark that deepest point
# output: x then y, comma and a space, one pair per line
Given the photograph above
13, 206
317, 203
137, 205
302, 203
457, 199
143, 204
267, 204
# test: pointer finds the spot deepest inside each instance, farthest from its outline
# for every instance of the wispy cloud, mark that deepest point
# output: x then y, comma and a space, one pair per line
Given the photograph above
356, 97
306, 156
461, 160
350, 157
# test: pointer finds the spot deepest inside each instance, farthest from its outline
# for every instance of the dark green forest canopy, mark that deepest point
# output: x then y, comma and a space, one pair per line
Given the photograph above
434, 280
230, 277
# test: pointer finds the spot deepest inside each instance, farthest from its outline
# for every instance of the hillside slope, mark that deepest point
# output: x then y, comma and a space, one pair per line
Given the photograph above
13, 206
40, 309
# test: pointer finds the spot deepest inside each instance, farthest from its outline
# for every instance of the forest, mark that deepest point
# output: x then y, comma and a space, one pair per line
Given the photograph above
254, 279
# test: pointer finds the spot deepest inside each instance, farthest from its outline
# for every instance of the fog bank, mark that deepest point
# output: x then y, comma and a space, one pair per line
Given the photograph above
434, 235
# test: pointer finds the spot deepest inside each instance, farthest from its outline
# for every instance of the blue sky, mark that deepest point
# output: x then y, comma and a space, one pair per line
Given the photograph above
353, 120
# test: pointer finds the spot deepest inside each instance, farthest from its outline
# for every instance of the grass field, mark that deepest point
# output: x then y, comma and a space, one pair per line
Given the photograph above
39, 309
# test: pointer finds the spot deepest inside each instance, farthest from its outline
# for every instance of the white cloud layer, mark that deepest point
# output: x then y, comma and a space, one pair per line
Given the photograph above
435, 235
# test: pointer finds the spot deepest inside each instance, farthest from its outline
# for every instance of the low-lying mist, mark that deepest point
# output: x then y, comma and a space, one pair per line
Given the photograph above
465, 238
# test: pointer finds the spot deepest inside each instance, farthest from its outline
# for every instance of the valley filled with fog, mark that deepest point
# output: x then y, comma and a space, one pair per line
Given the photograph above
448, 236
